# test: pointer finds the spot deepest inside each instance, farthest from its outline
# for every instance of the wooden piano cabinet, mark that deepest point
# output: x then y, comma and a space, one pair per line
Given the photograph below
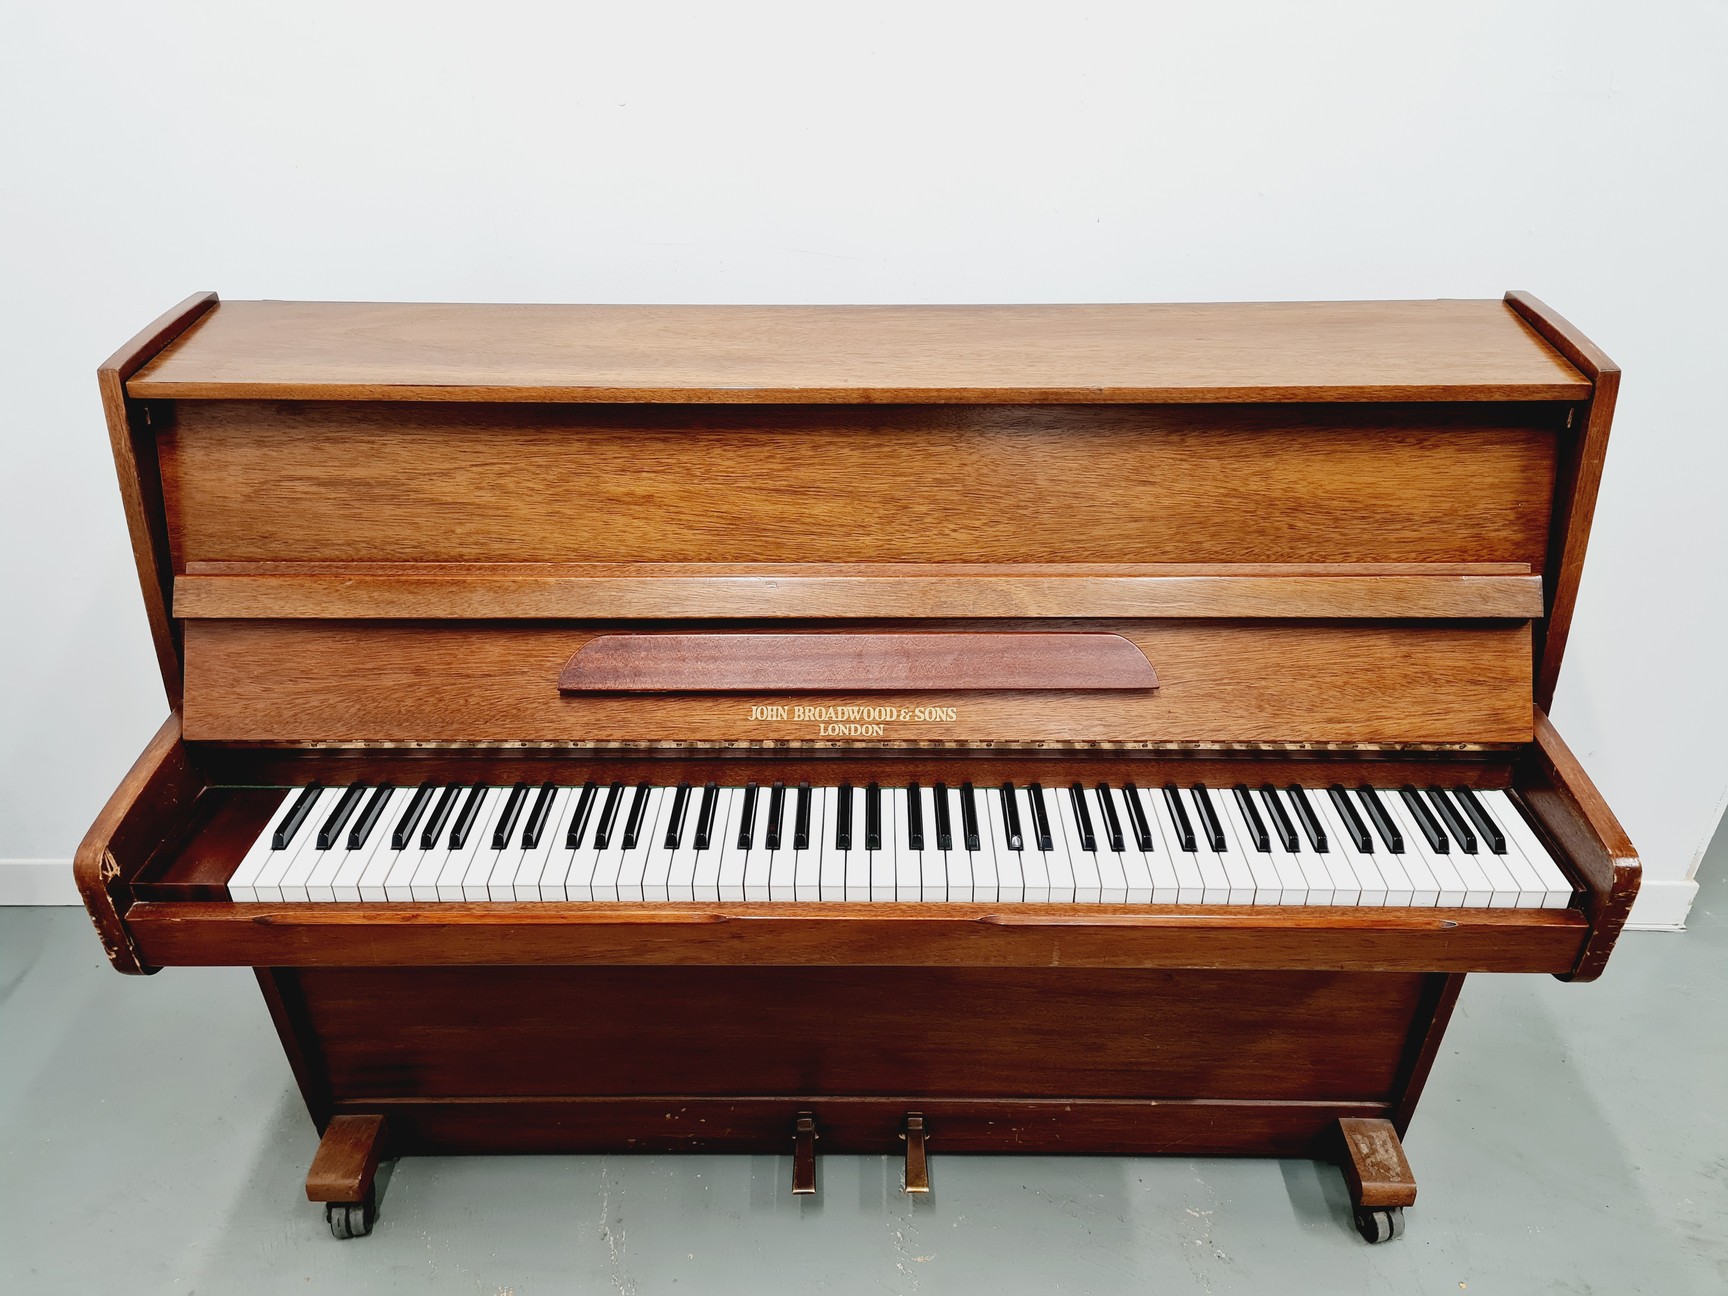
724, 1059
1306, 543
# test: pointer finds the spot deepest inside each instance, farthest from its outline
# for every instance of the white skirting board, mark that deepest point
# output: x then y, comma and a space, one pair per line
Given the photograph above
1661, 906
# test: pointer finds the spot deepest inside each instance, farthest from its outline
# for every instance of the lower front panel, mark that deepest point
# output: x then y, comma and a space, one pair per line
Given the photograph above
1047, 1059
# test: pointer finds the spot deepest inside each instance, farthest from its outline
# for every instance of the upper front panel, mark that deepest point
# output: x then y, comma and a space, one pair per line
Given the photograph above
1284, 351
462, 483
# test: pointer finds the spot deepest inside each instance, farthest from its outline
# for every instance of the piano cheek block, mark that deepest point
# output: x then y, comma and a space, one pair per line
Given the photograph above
857, 661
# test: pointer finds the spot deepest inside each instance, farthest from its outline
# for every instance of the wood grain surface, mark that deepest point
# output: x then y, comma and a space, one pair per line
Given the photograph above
647, 591
1249, 681
855, 660
1430, 350
370, 482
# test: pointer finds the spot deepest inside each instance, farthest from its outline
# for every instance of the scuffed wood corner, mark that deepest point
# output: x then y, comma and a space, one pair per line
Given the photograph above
156, 792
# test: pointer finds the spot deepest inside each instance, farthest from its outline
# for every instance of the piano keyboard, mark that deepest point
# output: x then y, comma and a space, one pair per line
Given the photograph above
1079, 844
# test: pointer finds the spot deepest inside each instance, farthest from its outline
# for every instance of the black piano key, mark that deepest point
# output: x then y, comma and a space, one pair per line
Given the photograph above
1179, 817
1137, 815
1040, 818
369, 816
1484, 823
969, 818
873, 817
747, 817
1426, 823
1280, 820
511, 813
440, 815
331, 832
914, 817
417, 805
466, 816
1353, 824
584, 812
1382, 821
1462, 833
843, 818
289, 828
1011, 818
776, 812
1210, 823
538, 814
801, 819
1112, 821
638, 812
608, 816
1082, 817
1309, 820
1256, 826
944, 826
675, 820
705, 815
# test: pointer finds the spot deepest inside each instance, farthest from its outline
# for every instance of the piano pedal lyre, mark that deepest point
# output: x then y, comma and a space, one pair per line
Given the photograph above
917, 1164
804, 1155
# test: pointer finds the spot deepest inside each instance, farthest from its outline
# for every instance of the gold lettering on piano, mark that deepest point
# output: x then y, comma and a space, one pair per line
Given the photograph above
854, 721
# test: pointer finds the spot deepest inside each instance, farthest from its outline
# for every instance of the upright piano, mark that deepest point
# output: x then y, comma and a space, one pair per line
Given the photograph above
911, 730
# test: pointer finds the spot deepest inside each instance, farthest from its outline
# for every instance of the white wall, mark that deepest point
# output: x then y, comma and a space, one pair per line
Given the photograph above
894, 152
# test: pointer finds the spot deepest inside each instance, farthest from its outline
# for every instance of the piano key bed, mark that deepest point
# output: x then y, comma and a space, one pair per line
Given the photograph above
1013, 843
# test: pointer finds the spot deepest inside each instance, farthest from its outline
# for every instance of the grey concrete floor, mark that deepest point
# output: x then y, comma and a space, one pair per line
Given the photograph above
1573, 1139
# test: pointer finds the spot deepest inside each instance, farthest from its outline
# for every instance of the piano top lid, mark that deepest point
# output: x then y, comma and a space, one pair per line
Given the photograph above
1222, 352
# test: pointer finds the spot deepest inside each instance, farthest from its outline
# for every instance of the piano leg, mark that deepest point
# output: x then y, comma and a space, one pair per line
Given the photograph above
344, 1173
1379, 1177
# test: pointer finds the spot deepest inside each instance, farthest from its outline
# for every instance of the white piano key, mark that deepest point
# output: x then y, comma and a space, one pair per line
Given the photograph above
242, 883
831, 883
603, 881
481, 858
734, 858
1088, 884
956, 860
1137, 872
303, 855
1190, 881
1399, 889
986, 886
1268, 886
932, 865
807, 863
880, 862
1034, 862
681, 868
1010, 863
1371, 886
657, 863
1557, 892
1419, 858
908, 863
1160, 860
1234, 856
857, 859
537, 876
633, 867
1058, 866
368, 882
705, 884
1112, 871
579, 863
759, 867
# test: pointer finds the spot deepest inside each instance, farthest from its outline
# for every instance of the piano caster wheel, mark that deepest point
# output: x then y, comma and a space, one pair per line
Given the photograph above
1380, 1223
351, 1219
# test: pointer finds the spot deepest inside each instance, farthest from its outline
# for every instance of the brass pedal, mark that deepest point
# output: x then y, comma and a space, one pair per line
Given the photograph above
917, 1166
804, 1155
